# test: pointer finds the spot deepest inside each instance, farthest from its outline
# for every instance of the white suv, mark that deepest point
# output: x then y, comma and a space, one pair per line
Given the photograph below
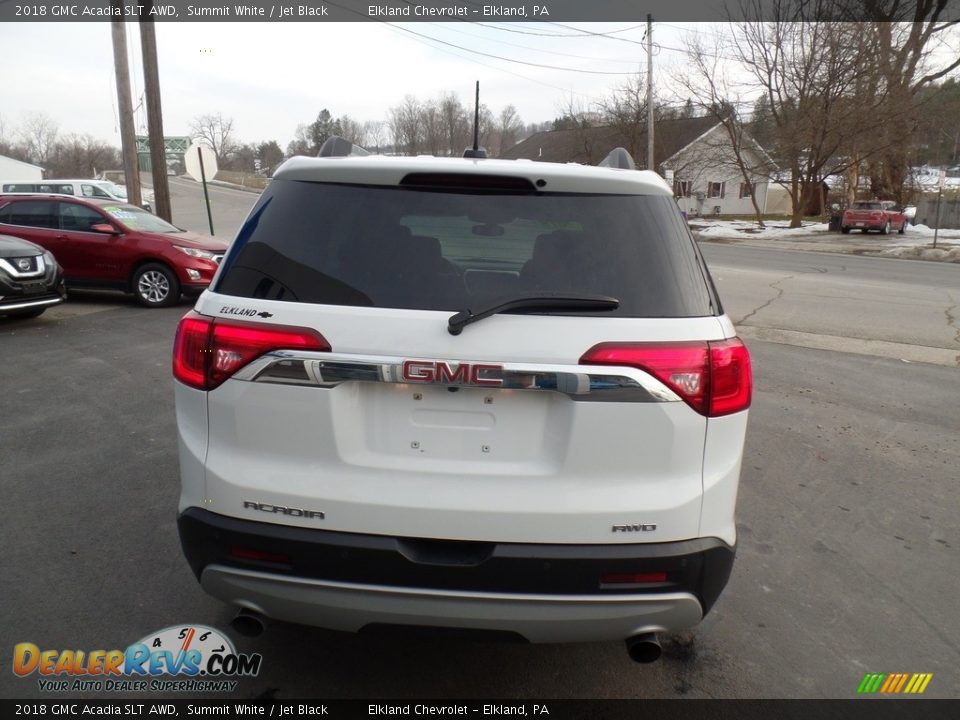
465, 393
102, 189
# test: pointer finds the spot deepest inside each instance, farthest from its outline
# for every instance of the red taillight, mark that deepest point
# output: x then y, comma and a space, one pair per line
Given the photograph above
731, 377
714, 378
191, 349
207, 351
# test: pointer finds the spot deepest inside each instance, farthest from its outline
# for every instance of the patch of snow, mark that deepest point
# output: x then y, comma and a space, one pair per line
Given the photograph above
948, 253
749, 228
927, 232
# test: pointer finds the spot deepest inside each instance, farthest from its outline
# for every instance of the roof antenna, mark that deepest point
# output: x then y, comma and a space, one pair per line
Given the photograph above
476, 151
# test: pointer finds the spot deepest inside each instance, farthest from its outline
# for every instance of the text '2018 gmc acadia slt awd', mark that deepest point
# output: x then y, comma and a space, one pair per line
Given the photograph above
467, 393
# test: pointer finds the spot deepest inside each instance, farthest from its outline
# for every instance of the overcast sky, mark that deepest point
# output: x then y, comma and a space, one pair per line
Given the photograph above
270, 77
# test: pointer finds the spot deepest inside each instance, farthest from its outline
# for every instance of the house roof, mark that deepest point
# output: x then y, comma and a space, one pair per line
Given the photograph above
590, 145
21, 162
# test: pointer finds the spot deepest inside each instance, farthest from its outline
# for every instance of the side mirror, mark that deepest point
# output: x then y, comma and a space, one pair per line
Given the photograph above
106, 228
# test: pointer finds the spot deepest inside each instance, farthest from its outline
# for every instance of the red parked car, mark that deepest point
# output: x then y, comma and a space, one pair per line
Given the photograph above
879, 215
112, 245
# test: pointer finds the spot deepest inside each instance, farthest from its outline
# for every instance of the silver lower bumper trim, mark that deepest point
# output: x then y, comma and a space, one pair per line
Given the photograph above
538, 618
30, 304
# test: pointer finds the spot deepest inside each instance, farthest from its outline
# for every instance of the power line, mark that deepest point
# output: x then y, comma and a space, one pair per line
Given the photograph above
492, 67
685, 29
506, 59
527, 47
609, 36
478, 52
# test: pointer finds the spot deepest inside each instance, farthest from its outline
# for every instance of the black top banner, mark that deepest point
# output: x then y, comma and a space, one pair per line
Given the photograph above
514, 11
540, 708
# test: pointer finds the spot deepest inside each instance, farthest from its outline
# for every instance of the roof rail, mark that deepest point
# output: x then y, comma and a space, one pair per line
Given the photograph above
336, 146
618, 158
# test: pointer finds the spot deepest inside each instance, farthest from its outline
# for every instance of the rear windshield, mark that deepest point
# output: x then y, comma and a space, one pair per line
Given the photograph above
423, 249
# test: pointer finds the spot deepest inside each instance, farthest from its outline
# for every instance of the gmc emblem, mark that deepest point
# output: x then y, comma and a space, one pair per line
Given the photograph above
437, 371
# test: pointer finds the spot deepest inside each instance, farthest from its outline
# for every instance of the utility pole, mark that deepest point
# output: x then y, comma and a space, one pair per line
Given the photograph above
651, 163
151, 81
128, 138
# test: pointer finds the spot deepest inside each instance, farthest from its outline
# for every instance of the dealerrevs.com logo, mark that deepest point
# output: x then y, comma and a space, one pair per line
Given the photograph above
180, 658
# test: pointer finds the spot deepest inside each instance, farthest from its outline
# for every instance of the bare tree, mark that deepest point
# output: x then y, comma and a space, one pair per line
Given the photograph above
455, 123
406, 124
374, 134
218, 132
626, 110
905, 36
575, 116
434, 135
808, 71
39, 136
351, 130
81, 156
486, 127
6, 141
300, 145
509, 128
714, 95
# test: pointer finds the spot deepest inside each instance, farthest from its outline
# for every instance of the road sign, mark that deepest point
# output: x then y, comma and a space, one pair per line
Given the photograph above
191, 162
943, 179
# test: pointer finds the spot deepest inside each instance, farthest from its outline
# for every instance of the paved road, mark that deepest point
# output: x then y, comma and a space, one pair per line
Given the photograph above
900, 309
228, 207
846, 564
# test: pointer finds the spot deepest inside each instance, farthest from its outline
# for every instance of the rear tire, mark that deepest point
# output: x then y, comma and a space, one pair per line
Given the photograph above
903, 228
155, 285
844, 229
886, 229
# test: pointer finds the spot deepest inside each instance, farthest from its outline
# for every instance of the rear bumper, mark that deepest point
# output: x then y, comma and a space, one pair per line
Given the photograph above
864, 224
545, 593
538, 618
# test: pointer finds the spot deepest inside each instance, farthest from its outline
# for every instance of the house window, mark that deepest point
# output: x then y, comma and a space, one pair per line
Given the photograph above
716, 189
748, 190
682, 188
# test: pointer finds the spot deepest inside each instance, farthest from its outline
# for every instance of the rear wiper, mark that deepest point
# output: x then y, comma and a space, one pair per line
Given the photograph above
545, 301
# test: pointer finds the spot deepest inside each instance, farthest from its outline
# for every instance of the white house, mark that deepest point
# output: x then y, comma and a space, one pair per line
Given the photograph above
18, 171
698, 151
707, 179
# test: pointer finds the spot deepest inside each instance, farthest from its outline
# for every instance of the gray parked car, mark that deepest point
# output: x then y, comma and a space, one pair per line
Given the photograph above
31, 280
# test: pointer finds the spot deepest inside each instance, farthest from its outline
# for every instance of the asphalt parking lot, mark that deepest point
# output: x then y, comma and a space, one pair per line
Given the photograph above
847, 533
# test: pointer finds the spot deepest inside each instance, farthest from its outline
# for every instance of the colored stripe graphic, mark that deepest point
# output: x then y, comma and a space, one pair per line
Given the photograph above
894, 683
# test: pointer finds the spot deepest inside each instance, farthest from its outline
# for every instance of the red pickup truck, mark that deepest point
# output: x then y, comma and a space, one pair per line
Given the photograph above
879, 215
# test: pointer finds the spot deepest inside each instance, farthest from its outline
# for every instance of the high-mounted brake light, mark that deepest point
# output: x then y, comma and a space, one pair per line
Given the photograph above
714, 378
207, 351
